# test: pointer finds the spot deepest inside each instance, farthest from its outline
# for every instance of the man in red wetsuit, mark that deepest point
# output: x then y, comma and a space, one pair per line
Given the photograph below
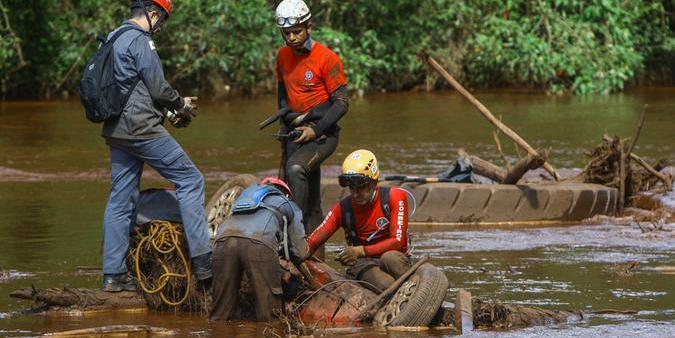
312, 85
375, 221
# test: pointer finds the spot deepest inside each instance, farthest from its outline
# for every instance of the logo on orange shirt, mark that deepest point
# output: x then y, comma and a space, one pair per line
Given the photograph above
309, 75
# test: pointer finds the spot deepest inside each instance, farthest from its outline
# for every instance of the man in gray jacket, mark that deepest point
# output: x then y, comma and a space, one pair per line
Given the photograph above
138, 137
264, 221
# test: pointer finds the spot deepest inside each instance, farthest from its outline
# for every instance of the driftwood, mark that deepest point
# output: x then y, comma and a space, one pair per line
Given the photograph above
509, 176
494, 315
667, 182
498, 316
117, 330
486, 113
485, 315
80, 298
651, 170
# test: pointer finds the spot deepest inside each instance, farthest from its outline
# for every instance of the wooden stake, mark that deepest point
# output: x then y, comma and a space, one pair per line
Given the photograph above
622, 176
639, 128
463, 312
486, 113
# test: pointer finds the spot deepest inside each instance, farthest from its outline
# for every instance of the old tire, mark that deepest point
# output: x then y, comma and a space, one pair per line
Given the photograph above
220, 204
416, 301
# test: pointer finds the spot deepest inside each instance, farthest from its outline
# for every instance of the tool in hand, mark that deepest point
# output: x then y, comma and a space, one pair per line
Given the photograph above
292, 135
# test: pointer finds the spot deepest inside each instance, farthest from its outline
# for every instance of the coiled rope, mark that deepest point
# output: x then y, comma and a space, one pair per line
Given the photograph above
163, 241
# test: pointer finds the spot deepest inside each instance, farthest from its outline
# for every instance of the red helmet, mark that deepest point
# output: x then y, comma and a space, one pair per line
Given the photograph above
279, 183
166, 4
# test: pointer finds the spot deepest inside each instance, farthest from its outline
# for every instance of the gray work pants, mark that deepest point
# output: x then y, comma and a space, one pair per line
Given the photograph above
168, 158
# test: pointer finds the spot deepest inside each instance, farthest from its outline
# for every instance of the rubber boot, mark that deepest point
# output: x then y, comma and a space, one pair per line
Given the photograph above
118, 282
202, 268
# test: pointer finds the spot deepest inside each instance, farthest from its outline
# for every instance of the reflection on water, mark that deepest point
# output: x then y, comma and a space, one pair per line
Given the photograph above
416, 133
50, 225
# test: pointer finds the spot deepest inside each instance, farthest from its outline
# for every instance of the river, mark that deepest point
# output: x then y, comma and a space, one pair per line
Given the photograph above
54, 184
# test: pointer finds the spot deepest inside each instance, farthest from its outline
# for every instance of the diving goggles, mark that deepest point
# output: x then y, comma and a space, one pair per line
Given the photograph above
357, 181
291, 21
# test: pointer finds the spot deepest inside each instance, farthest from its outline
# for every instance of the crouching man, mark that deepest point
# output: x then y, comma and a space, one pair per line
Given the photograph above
375, 221
263, 220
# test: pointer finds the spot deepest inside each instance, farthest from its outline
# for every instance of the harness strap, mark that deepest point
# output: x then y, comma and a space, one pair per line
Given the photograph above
284, 221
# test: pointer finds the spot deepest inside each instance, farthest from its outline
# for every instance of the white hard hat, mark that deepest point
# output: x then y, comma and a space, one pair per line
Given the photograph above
291, 13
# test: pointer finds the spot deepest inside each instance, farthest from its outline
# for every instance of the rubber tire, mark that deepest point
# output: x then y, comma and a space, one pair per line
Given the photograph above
240, 181
425, 300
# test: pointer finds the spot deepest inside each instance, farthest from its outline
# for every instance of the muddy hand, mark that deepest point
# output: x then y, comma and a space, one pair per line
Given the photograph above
350, 254
308, 134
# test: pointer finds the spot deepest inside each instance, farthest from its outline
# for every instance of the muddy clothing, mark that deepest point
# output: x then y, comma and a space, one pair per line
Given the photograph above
384, 239
375, 232
264, 226
234, 256
312, 84
380, 272
250, 243
137, 68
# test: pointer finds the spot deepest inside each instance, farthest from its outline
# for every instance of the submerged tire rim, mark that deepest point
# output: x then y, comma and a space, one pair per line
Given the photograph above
397, 303
222, 209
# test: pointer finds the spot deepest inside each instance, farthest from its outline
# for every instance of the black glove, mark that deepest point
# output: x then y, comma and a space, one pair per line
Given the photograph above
183, 117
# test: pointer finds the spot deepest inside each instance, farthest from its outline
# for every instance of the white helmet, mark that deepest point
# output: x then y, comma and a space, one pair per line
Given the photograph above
291, 13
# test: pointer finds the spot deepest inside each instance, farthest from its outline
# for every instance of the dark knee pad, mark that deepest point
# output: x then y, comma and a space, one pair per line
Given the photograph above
296, 171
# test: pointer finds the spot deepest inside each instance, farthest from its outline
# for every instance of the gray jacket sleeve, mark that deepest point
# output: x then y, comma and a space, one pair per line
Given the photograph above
298, 247
150, 71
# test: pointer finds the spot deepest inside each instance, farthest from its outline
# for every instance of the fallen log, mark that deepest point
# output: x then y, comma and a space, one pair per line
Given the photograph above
485, 112
509, 176
80, 298
117, 330
500, 316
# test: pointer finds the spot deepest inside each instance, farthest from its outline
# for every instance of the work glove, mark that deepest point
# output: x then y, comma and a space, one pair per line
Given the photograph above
349, 254
182, 118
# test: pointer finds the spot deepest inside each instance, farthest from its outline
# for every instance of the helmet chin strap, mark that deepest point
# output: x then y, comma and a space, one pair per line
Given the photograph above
372, 195
307, 46
147, 17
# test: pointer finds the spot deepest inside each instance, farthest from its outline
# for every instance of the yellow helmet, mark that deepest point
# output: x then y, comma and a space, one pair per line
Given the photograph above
361, 162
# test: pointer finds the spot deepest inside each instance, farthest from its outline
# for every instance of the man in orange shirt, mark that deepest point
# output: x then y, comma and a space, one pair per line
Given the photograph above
312, 85
375, 221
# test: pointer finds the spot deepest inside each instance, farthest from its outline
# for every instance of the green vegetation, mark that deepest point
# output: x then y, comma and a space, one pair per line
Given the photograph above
578, 46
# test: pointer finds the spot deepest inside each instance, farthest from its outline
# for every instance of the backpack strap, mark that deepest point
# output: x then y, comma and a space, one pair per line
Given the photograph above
112, 40
119, 33
283, 221
384, 201
349, 219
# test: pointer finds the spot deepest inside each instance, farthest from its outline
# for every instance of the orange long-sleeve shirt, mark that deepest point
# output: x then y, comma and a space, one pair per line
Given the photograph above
392, 236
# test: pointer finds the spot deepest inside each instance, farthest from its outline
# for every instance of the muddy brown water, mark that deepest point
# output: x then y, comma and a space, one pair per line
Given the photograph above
54, 183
